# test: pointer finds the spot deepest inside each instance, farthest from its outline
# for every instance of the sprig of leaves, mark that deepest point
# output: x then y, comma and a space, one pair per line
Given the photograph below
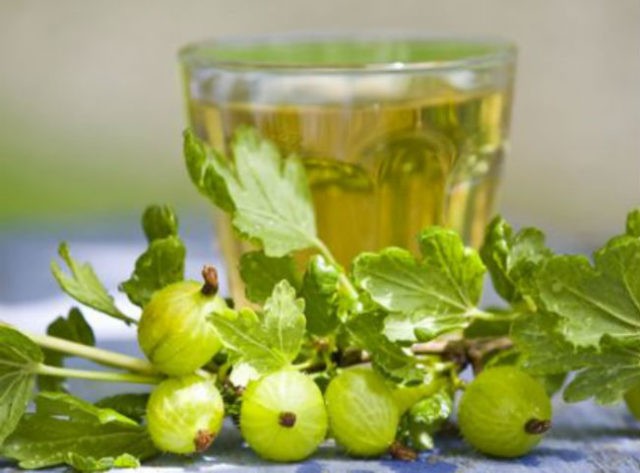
163, 261
595, 300
267, 341
267, 197
436, 294
74, 328
566, 314
588, 319
366, 332
19, 357
83, 285
512, 258
562, 307
66, 430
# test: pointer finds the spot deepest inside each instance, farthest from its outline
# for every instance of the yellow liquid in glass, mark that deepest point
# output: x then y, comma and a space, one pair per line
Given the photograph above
380, 171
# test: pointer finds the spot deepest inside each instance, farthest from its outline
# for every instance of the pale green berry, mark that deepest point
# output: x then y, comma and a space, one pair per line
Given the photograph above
175, 332
363, 414
504, 412
283, 417
184, 415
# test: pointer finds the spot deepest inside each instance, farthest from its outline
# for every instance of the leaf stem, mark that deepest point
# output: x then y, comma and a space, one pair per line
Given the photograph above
96, 375
103, 357
342, 277
303, 366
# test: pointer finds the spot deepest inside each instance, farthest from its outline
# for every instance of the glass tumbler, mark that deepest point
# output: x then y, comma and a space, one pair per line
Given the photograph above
396, 133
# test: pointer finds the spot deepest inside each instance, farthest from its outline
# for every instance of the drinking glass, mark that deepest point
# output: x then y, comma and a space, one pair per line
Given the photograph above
396, 133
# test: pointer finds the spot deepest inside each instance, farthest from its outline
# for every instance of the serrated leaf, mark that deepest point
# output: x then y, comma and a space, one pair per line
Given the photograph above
543, 349
500, 326
84, 286
448, 279
163, 261
73, 328
434, 295
260, 274
131, 405
595, 300
160, 265
82, 463
320, 292
19, 357
158, 222
269, 343
270, 196
365, 331
512, 258
204, 165
242, 333
609, 374
284, 321
420, 326
67, 430
633, 223
427, 416
73, 408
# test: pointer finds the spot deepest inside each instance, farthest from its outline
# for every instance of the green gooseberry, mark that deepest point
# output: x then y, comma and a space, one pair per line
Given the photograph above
174, 331
363, 414
504, 412
283, 417
184, 415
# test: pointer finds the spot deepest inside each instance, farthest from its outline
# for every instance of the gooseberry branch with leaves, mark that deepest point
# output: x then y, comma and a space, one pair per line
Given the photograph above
370, 354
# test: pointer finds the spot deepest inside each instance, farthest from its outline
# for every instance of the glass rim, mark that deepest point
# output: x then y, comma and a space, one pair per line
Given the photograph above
206, 54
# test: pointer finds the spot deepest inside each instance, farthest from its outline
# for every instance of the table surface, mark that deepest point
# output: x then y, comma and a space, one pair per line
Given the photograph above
585, 437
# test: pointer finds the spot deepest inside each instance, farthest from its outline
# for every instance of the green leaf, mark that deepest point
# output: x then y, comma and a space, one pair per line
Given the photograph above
320, 292
605, 371
421, 326
284, 320
512, 259
610, 373
365, 331
633, 223
242, 333
67, 430
543, 349
205, 165
158, 222
132, 405
19, 357
84, 286
160, 265
268, 343
499, 326
260, 274
434, 295
73, 328
270, 195
163, 261
82, 463
448, 279
593, 301
428, 416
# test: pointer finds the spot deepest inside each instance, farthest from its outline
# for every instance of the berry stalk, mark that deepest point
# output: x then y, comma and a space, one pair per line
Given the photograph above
99, 355
96, 375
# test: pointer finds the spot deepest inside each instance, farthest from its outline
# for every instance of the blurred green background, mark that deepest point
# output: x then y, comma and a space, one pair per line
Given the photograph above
91, 109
